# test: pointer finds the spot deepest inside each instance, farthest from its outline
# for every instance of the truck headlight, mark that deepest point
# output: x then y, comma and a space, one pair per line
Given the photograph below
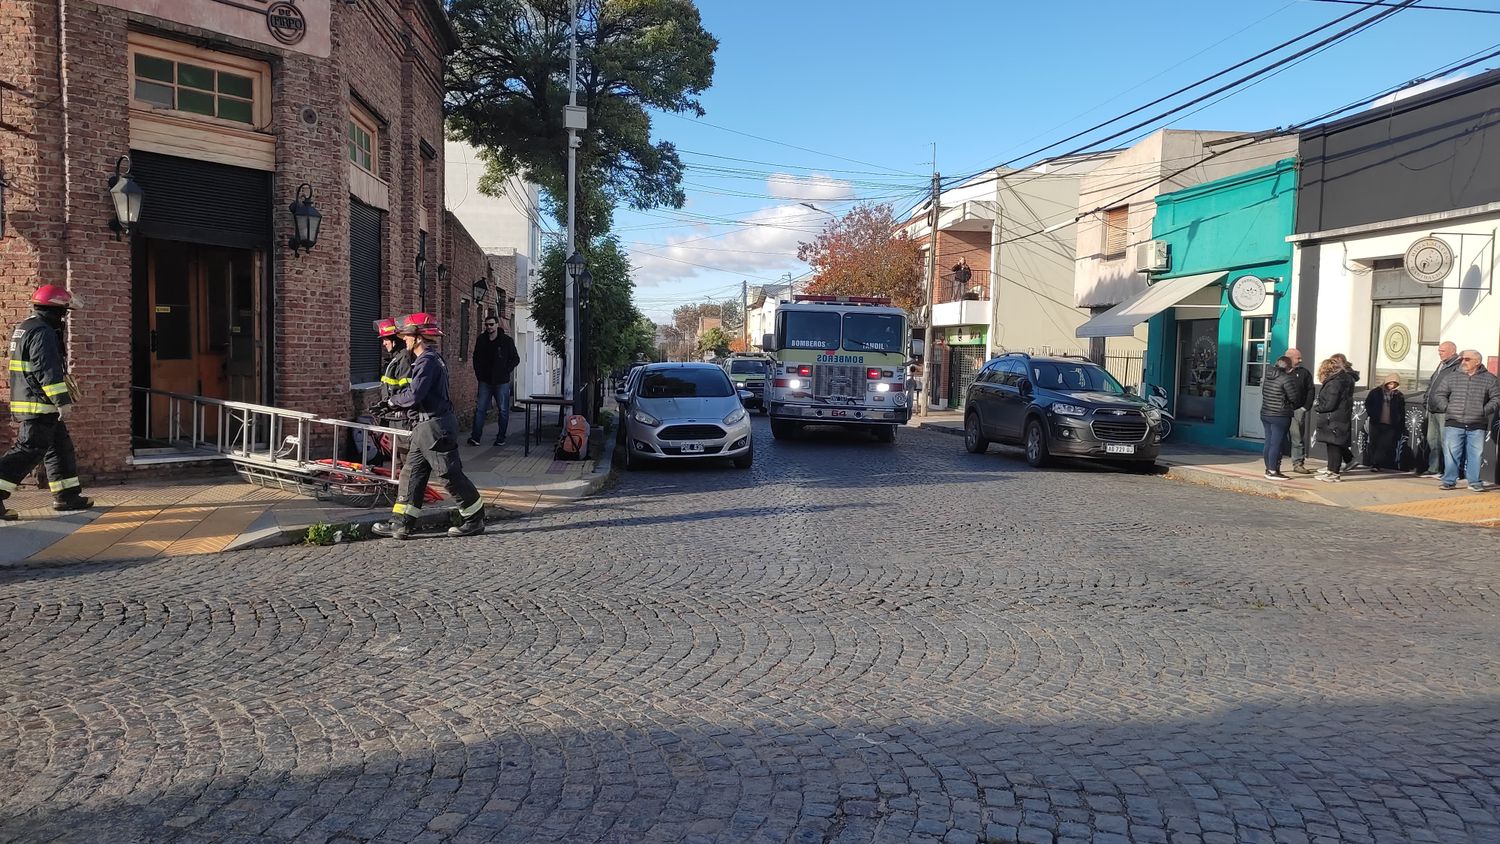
794, 384
740, 384
882, 388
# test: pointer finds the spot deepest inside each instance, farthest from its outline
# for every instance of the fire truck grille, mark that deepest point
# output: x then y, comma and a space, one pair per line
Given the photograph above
838, 381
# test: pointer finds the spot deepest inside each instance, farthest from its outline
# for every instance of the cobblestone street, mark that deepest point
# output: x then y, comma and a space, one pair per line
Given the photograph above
850, 642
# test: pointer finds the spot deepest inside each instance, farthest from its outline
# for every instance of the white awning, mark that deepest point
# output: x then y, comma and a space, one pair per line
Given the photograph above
1121, 320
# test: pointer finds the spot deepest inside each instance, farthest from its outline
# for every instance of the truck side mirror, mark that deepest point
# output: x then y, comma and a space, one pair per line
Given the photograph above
768, 342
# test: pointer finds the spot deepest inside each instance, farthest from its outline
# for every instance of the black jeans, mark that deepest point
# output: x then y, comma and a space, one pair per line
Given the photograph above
44, 439
1337, 455
1383, 439
1275, 428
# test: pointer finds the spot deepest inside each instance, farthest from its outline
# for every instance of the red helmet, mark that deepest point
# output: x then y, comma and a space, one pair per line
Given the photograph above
52, 296
385, 328
422, 324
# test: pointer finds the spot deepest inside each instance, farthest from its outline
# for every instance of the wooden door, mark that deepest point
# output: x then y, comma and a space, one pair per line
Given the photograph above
174, 367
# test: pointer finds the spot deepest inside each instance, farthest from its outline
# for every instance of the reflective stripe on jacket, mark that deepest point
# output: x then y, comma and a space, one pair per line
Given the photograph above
38, 369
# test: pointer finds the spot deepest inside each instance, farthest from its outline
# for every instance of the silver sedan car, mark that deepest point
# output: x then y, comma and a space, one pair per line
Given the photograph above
683, 411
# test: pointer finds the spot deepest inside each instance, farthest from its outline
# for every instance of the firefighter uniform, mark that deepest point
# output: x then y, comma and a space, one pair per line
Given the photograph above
433, 448
39, 397
397, 374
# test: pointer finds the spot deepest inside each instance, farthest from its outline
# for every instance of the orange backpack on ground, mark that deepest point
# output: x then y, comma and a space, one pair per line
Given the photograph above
573, 442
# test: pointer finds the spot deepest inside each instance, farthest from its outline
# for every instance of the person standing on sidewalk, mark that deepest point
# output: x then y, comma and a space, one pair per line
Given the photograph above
495, 358
41, 397
1277, 401
434, 439
1301, 379
1335, 409
1447, 365
1386, 409
1468, 399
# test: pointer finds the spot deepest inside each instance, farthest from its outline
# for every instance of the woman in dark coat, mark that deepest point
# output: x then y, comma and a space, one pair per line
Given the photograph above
1335, 410
1386, 407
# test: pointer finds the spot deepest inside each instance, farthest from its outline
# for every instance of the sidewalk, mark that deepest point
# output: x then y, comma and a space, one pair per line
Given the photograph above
147, 519
1397, 494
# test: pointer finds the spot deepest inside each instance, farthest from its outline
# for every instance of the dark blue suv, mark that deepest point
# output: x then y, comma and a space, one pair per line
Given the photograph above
1062, 406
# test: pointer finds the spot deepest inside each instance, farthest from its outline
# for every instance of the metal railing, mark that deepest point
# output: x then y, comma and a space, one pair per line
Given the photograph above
272, 446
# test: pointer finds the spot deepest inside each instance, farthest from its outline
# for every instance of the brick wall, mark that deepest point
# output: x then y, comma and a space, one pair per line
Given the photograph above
974, 246
466, 262
59, 151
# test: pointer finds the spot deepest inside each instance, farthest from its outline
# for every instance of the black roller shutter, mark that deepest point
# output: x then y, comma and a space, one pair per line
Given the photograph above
364, 292
202, 202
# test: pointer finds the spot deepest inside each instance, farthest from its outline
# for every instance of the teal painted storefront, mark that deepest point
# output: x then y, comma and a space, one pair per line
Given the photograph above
1238, 226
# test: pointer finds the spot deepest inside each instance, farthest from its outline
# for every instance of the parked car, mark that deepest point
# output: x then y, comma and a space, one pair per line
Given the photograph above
1059, 406
749, 372
684, 411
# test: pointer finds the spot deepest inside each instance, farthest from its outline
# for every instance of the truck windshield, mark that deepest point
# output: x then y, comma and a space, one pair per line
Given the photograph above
747, 367
810, 330
1074, 378
873, 332
694, 383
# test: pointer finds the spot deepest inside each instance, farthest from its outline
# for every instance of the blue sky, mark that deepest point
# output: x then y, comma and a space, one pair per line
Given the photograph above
847, 99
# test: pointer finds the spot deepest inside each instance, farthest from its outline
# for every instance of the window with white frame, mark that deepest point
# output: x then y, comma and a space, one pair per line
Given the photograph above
177, 77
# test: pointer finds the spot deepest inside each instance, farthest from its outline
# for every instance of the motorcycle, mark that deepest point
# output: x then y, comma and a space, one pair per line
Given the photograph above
1156, 395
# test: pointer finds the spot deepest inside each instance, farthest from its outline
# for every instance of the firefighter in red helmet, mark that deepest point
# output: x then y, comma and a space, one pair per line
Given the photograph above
397, 372
41, 397
434, 437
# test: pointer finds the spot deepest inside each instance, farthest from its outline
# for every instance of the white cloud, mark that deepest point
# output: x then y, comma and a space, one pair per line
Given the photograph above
762, 245
809, 188
1419, 89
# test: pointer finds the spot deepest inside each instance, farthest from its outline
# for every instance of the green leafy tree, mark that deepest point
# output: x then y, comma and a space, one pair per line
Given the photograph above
508, 83
714, 340
616, 332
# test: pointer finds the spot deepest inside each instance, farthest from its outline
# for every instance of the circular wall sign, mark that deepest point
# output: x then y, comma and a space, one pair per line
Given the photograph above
285, 22
1397, 342
1429, 260
1247, 293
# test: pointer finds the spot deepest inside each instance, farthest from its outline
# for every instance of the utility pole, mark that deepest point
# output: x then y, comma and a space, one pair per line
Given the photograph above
574, 118
745, 312
928, 356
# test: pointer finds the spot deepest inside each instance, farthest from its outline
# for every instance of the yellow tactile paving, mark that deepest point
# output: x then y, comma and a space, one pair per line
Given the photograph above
152, 537
1457, 506
98, 535
222, 526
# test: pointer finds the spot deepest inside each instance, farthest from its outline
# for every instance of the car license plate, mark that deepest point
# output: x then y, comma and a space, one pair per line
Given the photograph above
837, 413
1116, 448
692, 448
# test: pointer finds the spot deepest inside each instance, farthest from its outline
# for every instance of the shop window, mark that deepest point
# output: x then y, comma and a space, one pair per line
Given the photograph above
177, 77
1116, 231
1197, 368
364, 140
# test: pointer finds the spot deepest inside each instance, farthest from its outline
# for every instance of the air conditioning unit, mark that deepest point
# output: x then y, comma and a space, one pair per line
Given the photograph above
1153, 257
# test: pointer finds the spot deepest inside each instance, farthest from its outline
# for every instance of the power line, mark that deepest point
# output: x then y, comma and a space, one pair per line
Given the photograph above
1370, 3
1340, 35
702, 122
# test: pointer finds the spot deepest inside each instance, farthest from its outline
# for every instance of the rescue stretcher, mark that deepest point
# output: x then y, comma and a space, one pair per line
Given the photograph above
302, 453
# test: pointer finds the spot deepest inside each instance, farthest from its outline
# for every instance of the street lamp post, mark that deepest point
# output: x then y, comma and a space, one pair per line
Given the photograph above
575, 268
575, 119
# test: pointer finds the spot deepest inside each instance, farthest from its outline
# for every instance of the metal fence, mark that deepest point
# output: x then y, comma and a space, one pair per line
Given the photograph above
1128, 368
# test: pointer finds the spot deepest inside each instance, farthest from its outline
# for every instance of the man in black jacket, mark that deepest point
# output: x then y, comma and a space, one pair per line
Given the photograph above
1276, 406
1301, 379
495, 358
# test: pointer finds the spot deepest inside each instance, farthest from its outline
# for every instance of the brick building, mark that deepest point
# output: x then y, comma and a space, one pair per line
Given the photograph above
221, 113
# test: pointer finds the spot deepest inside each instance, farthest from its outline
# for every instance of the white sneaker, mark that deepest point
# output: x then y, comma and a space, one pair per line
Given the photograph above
1329, 478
